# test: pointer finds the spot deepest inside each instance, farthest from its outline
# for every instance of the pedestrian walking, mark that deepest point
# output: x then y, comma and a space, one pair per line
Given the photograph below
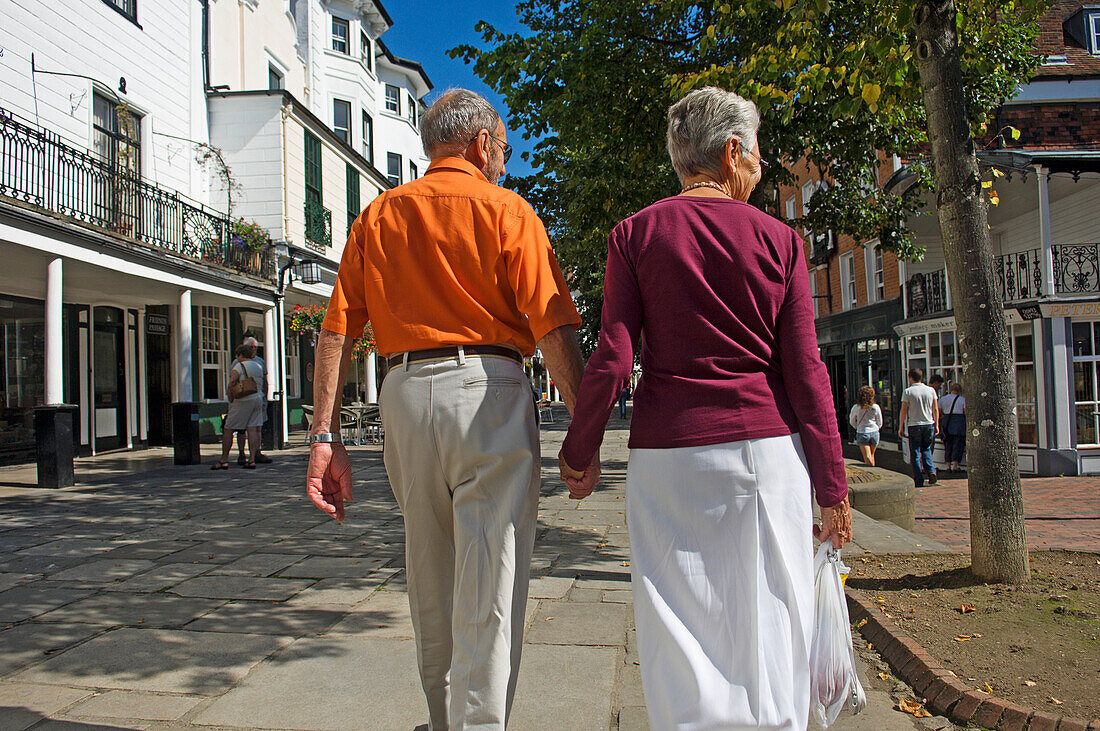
624, 396
953, 410
936, 383
459, 282
260, 457
920, 416
866, 419
246, 381
732, 426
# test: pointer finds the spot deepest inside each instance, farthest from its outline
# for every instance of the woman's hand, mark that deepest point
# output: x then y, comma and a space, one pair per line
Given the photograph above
836, 524
580, 484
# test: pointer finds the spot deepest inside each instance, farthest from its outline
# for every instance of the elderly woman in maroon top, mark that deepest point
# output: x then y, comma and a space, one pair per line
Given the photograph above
733, 424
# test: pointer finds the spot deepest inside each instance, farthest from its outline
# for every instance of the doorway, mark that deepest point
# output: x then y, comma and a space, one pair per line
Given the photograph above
837, 365
158, 374
109, 370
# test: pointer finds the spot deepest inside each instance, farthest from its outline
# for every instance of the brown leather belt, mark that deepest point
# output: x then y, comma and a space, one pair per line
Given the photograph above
451, 351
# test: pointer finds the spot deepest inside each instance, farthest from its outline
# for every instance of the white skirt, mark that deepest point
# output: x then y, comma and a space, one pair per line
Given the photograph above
722, 571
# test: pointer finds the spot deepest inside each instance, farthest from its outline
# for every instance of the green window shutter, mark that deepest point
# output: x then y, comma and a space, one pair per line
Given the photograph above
352, 195
313, 168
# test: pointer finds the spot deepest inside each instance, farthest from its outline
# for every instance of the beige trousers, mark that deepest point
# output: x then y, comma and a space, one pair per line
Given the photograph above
462, 455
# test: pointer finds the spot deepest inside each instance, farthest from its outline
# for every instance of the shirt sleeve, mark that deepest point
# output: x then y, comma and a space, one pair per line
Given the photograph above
533, 272
852, 416
347, 307
807, 384
609, 368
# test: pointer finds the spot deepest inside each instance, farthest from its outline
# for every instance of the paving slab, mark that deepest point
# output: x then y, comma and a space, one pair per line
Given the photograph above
29, 600
328, 567
147, 610
8, 580
384, 615
30, 642
70, 547
257, 564
240, 587
268, 618
128, 704
341, 592
374, 684
151, 549
162, 576
550, 587
577, 623
103, 572
171, 661
633, 718
24, 704
581, 698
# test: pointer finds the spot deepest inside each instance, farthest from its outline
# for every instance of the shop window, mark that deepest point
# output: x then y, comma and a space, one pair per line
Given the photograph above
1085, 360
23, 339
214, 350
1023, 356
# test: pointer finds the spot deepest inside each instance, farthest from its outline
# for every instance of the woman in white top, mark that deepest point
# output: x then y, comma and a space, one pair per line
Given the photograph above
866, 419
953, 419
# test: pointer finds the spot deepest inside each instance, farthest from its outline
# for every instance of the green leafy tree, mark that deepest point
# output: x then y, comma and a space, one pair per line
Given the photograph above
836, 81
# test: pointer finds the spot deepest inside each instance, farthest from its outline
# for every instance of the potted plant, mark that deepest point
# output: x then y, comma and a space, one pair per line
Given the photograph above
308, 319
248, 242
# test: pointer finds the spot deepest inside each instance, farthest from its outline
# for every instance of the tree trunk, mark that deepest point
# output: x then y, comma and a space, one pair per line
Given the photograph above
998, 551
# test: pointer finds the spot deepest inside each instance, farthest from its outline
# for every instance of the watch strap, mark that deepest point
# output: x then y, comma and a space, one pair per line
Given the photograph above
324, 438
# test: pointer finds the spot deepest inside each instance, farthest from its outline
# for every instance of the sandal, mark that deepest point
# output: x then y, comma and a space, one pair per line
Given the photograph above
220, 466
249, 465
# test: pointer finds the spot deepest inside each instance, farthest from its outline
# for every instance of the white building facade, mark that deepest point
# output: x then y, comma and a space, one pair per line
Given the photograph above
134, 138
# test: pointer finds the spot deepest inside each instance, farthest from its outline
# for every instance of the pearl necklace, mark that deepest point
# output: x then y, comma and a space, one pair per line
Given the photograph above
705, 184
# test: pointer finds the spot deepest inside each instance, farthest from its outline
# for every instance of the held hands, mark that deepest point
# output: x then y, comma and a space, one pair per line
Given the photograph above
580, 484
836, 524
328, 478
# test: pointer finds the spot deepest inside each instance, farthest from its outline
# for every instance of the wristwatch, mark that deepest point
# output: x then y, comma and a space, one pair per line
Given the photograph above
324, 438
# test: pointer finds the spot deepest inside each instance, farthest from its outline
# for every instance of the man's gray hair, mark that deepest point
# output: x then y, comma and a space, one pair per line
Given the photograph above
453, 120
700, 125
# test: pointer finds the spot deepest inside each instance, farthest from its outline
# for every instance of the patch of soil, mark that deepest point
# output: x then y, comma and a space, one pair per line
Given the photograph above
1033, 644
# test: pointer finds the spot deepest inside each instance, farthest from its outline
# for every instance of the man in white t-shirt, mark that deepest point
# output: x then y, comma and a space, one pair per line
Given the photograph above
920, 416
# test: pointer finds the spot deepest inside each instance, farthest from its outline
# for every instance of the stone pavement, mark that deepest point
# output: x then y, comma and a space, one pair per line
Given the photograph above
161, 597
1061, 512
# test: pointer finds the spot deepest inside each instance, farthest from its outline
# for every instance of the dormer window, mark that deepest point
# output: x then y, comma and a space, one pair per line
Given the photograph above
1084, 28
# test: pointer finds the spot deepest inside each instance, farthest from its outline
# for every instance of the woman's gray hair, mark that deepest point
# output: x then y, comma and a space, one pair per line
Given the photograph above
700, 125
454, 119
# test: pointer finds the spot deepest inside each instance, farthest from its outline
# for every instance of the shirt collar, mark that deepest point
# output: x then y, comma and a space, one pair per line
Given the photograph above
451, 162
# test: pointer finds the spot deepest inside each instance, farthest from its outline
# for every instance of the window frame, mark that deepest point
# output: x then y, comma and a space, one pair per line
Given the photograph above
312, 165
849, 295
214, 348
351, 194
814, 292
273, 72
414, 172
411, 104
130, 16
334, 38
391, 158
368, 136
396, 100
293, 363
365, 53
790, 208
342, 132
1094, 33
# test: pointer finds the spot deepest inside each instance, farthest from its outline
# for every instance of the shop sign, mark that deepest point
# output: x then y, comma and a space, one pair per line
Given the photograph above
1082, 310
156, 323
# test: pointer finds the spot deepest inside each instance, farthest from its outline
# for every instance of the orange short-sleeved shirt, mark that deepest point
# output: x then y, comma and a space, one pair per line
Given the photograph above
449, 259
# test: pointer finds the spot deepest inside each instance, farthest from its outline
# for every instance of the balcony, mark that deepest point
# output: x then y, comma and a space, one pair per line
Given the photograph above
38, 169
1076, 271
926, 294
318, 226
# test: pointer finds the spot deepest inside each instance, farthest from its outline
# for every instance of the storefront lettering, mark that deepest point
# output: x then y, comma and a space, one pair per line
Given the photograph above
1086, 309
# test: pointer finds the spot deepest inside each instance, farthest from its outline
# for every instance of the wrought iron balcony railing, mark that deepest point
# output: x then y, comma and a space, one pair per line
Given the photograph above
926, 294
318, 226
1076, 269
37, 168
1020, 275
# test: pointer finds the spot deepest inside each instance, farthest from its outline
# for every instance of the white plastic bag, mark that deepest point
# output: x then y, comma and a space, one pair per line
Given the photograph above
833, 680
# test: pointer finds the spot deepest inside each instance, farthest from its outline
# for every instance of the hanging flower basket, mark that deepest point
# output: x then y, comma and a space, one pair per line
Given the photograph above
309, 318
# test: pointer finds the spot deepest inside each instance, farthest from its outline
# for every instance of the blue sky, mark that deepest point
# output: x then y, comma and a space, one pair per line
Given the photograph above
423, 30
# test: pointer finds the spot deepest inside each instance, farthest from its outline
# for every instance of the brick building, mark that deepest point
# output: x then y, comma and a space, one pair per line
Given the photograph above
878, 316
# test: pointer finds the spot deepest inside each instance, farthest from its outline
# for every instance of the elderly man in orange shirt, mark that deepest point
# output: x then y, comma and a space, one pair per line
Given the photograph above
458, 280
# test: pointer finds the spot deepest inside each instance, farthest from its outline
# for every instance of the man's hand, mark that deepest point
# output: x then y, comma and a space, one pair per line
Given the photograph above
328, 478
580, 484
836, 524
901, 432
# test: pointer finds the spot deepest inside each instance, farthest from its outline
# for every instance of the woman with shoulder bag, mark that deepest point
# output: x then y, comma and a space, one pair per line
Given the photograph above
953, 411
866, 419
246, 406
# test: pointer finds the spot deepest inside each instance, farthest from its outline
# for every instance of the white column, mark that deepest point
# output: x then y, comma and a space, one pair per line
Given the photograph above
280, 334
271, 340
184, 351
1045, 236
372, 378
143, 378
55, 390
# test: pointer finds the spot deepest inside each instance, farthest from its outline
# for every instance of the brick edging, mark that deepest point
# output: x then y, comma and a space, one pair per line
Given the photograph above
944, 693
